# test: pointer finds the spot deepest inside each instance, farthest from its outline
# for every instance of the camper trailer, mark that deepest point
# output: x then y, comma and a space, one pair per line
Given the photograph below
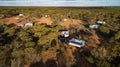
95, 26
101, 22
77, 43
20, 25
28, 24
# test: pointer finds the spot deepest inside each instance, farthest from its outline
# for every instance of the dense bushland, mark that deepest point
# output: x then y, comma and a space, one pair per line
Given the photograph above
38, 46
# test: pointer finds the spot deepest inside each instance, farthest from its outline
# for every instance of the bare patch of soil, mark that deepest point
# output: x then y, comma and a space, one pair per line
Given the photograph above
45, 20
70, 23
48, 55
11, 20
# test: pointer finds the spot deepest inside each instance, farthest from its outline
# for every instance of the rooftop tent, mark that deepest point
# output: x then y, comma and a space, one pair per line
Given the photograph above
77, 43
100, 22
28, 24
65, 33
93, 26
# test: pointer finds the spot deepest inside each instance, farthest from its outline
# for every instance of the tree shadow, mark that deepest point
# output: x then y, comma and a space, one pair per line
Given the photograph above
53, 43
81, 61
105, 35
37, 64
80, 33
50, 63
85, 33
11, 25
7, 39
63, 39
116, 61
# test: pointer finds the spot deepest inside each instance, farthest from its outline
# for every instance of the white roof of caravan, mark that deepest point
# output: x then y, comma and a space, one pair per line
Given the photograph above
101, 22
29, 24
76, 42
93, 26
21, 25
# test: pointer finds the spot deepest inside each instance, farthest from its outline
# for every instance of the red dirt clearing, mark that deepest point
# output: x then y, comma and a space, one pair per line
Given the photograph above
10, 20
47, 21
13, 20
70, 22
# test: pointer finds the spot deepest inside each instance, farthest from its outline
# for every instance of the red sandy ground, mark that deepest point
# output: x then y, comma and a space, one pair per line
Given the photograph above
10, 20
70, 22
45, 20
